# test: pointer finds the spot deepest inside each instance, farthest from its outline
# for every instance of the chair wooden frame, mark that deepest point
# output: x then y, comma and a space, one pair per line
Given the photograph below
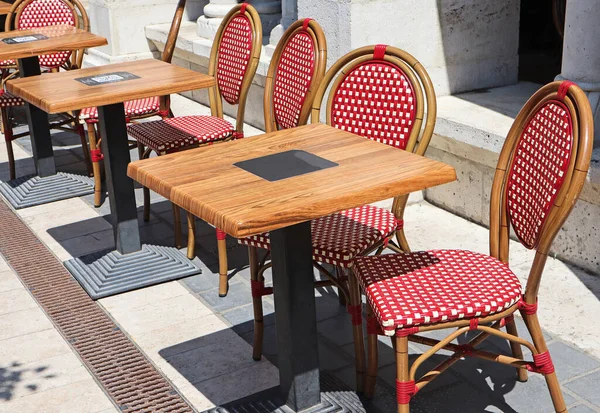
582, 122
315, 31
425, 116
164, 110
74, 62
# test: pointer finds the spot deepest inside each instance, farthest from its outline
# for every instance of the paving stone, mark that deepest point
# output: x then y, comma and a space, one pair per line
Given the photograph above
330, 358
23, 322
9, 281
237, 296
24, 379
16, 300
588, 387
77, 229
570, 362
582, 408
144, 296
337, 329
531, 397
242, 318
83, 396
34, 346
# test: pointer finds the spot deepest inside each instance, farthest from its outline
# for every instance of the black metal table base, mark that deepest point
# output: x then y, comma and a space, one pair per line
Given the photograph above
335, 398
31, 190
102, 274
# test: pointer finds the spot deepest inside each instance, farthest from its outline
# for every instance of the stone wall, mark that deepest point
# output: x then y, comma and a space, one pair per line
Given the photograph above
464, 44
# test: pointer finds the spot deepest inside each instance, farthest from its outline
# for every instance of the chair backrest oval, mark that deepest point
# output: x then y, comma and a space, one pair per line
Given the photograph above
382, 93
296, 70
32, 14
541, 170
234, 59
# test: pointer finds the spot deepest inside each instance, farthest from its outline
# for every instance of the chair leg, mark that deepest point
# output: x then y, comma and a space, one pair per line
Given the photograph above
223, 267
95, 164
259, 326
539, 342
8, 138
402, 241
339, 272
145, 190
373, 356
177, 224
84, 146
355, 309
191, 247
517, 351
402, 374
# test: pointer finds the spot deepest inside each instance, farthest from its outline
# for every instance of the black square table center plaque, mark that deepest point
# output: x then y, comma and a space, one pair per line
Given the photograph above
105, 78
24, 39
285, 165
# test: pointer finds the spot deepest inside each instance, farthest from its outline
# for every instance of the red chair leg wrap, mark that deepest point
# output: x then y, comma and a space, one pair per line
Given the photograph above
473, 324
221, 235
355, 312
405, 332
405, 390
373, 326
237, 135
527, 309
259, 290
542, 363
96, 155
399, 224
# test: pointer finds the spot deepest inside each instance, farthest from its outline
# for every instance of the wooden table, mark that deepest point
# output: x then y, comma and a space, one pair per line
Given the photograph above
4, 9
59, 38
64, 91
206, 182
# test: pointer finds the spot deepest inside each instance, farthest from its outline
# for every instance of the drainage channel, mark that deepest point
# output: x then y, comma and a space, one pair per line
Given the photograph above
124, 372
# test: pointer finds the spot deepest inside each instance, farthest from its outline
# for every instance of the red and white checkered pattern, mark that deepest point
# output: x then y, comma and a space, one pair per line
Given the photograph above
430, 287
292, 79
173, 134
376, 100
133, 108
42, 13
233, 57
7, 100
538, 169
338, 238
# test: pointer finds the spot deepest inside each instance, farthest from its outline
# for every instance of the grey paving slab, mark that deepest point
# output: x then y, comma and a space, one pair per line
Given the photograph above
570, 362
588, 387
242, 318
238, 296
531, 397
582, 408
337, 329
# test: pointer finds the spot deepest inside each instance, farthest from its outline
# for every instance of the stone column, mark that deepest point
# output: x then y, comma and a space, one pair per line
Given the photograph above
215, 10
289, 14
581, 52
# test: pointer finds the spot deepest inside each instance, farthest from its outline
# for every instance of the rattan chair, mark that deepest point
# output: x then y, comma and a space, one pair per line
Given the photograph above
379, 92
540, 173
233, 62
295, 72
29, 14
134, 109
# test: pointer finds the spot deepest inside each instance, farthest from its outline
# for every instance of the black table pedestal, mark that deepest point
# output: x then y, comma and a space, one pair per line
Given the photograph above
132, 265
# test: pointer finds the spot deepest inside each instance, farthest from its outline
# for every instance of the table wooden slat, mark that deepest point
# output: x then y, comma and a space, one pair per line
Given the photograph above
205, 182
60, 92
60, 38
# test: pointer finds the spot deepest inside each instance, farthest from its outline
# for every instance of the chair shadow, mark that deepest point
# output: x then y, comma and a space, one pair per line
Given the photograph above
13, 374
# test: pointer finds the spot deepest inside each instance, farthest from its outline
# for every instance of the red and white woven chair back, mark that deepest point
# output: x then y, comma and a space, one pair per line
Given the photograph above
235, 51
540, 162
42, 13
375, 100
293, 78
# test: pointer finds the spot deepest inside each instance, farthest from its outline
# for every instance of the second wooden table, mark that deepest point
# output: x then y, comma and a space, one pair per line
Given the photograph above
107, 87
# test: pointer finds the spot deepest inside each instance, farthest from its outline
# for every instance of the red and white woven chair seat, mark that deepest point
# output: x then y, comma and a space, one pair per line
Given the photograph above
7, 100
339, 238
172, 134
133, 108
429, 287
